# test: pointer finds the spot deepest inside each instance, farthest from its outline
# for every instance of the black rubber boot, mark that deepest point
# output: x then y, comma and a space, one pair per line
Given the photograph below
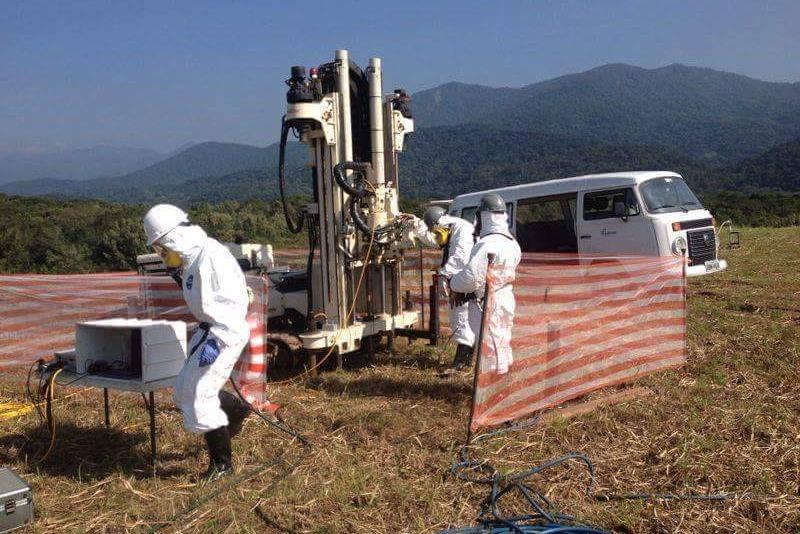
236, 410
462, 360
219, 453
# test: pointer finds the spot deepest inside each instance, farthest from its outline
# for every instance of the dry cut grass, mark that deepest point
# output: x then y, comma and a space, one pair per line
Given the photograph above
384, 437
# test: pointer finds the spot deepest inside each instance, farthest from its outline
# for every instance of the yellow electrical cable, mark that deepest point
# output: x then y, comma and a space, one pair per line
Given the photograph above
9, 410
51, 386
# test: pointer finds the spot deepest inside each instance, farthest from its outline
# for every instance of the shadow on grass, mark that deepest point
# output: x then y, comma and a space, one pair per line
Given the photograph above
294, 364
383, 386
87, 453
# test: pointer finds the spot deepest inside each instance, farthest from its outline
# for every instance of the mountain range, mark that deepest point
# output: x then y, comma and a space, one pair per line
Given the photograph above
718, 129
80, 164
711, 115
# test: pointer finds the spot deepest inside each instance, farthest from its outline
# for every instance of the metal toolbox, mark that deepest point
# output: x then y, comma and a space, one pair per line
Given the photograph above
16, 501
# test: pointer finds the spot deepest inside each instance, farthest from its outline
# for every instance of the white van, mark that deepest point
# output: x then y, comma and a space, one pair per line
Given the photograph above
643, 212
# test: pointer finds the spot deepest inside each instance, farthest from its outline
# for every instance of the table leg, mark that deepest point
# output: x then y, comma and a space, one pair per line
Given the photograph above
105, 403
312, 362
152, 408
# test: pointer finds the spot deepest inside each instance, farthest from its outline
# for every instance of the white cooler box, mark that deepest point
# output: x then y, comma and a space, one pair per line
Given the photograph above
132, 349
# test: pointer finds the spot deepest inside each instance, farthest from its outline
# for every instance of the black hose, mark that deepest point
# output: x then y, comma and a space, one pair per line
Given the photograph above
357, 166
280, 425
294, 228
362, 225
355, 213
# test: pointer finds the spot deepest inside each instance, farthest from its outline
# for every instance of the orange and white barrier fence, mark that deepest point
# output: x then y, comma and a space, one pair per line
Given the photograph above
38, 314
581, 323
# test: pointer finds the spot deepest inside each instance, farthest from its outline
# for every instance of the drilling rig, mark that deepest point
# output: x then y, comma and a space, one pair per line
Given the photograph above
349, 292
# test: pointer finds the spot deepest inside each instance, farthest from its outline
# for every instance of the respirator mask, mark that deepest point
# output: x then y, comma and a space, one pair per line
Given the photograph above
170, 258
441, 234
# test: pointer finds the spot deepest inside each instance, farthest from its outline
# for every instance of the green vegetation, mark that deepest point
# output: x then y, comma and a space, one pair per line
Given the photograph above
777, 168
699, 122
443, 162
52, 236
760, 208
62, 236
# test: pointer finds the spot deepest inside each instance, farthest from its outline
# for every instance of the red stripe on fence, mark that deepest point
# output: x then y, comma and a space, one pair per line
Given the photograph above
580, 325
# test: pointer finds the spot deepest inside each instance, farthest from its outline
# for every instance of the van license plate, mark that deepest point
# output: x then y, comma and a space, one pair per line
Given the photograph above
712, 265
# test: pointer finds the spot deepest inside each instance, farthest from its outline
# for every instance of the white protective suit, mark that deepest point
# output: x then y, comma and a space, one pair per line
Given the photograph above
215, 291
420, 233
458, 251
495, 239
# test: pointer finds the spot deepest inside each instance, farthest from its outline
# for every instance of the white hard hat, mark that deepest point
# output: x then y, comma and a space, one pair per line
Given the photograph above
161, 219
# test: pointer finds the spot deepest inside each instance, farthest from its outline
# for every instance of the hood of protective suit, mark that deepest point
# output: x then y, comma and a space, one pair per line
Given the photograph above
187, 241
494, 223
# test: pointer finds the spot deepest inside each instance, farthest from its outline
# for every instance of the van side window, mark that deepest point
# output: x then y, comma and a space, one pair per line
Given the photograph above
546, 225
600, 204
468, 214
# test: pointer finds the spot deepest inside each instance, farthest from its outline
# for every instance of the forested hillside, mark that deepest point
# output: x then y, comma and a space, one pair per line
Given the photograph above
49, 236
168, 179
711, 115
438, 162
447, 161
755, 208
777, 168
719, 129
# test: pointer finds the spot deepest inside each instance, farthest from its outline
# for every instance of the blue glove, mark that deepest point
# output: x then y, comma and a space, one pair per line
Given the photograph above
209, 352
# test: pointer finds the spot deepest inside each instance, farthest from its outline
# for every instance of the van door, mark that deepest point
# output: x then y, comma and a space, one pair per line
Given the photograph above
547, 224
611, 222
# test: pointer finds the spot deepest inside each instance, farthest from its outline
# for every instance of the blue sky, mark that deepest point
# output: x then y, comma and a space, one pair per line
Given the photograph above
160, 74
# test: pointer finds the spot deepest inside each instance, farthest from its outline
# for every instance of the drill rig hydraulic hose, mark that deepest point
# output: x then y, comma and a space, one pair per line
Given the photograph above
295, 228
358, 166
356, 195
361, 224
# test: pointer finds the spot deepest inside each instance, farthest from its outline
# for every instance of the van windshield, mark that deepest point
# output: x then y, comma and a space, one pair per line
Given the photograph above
668, 194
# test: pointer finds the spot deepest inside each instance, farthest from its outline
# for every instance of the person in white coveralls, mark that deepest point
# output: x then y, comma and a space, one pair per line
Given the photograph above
215, 292
495, 240
456, 237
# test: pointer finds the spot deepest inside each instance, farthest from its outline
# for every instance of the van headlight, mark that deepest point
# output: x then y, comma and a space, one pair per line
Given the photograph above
679, 246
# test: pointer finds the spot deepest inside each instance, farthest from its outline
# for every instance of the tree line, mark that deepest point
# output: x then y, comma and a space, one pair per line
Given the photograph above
56, 236
67, 236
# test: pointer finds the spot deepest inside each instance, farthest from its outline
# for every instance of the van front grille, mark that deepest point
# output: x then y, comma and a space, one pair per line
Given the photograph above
696, 223
702, 246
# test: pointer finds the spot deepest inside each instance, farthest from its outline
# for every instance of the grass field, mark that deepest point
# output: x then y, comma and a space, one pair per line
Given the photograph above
384, 437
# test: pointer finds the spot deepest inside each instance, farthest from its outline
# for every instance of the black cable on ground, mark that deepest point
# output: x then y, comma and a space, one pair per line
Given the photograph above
544, 517
235, 480
280, 425
29, 393
230, 483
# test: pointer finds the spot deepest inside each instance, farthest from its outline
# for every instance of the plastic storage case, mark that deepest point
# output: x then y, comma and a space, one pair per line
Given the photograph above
16, 501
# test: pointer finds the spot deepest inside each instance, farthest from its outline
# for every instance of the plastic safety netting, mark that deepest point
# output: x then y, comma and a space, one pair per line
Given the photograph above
38, 314
581, 323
